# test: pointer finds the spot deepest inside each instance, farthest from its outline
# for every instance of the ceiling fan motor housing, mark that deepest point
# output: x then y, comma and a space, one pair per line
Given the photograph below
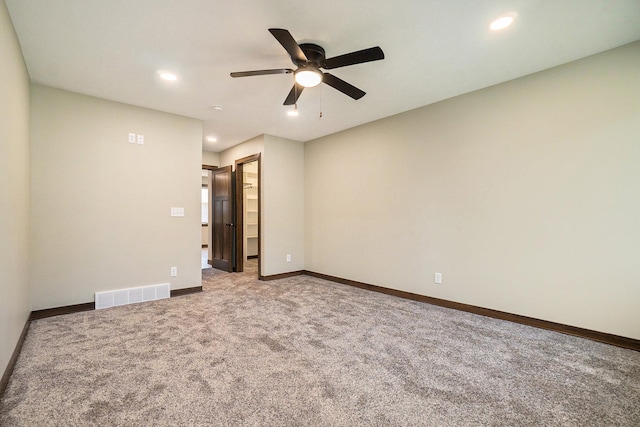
314, 53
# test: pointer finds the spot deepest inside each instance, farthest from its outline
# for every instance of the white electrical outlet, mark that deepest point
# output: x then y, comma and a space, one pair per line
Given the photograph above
174, 271
288, 257
141, 139
438, 278
132, 138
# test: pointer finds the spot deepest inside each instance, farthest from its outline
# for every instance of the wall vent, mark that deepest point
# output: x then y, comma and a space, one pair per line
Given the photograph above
108, 299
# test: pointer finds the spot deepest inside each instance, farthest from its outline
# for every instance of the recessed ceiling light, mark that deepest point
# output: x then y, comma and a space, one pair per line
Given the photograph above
165, 75
212, 139
503, 21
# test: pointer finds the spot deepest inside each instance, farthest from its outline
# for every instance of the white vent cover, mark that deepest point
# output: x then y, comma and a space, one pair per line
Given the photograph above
104, 299
108, 299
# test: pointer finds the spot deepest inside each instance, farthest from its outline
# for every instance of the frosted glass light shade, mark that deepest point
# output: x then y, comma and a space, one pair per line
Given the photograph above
308, 77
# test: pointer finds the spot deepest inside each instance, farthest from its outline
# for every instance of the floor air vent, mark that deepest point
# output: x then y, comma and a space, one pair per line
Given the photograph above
132, 295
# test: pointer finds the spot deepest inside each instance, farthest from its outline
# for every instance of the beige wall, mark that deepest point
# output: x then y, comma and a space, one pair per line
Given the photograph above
525, 196
205, 235
282, 205
282, 200
229, 156
100, 213
14, 190
210, 158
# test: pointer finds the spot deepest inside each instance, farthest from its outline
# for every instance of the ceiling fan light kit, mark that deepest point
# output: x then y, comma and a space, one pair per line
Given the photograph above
308, 76
309, 59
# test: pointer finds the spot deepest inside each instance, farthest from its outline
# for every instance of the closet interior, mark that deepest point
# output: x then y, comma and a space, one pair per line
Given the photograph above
250, 202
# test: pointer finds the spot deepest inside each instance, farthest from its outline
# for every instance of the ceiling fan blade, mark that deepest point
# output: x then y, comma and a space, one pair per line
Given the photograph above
293, 96
358, 57
343, 86
261, 72
288, 42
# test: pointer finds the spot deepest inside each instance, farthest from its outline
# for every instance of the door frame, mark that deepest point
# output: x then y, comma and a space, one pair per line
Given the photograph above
239, 166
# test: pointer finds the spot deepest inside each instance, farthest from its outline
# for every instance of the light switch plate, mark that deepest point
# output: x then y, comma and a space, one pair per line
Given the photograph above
177, 212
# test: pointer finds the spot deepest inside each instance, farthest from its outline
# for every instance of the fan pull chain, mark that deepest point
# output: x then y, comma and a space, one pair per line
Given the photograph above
320, 101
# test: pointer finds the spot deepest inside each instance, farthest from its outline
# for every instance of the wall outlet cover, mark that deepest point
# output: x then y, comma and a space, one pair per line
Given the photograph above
177, 212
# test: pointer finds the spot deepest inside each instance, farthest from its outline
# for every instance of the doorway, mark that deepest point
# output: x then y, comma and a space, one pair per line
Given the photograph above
204, 218
205, 215
248, 185
250, 210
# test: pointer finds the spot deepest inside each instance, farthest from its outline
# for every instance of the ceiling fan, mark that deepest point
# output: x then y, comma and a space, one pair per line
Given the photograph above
309, 59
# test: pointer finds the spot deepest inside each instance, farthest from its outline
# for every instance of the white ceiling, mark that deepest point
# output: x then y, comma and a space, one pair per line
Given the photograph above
435, 49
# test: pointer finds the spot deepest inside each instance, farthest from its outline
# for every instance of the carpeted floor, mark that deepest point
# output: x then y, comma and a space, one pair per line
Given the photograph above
306, 352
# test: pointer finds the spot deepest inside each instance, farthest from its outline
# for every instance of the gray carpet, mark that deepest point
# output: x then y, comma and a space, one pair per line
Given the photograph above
306, 352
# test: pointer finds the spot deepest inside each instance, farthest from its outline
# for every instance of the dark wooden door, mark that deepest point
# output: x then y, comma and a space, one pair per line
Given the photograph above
222, 230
